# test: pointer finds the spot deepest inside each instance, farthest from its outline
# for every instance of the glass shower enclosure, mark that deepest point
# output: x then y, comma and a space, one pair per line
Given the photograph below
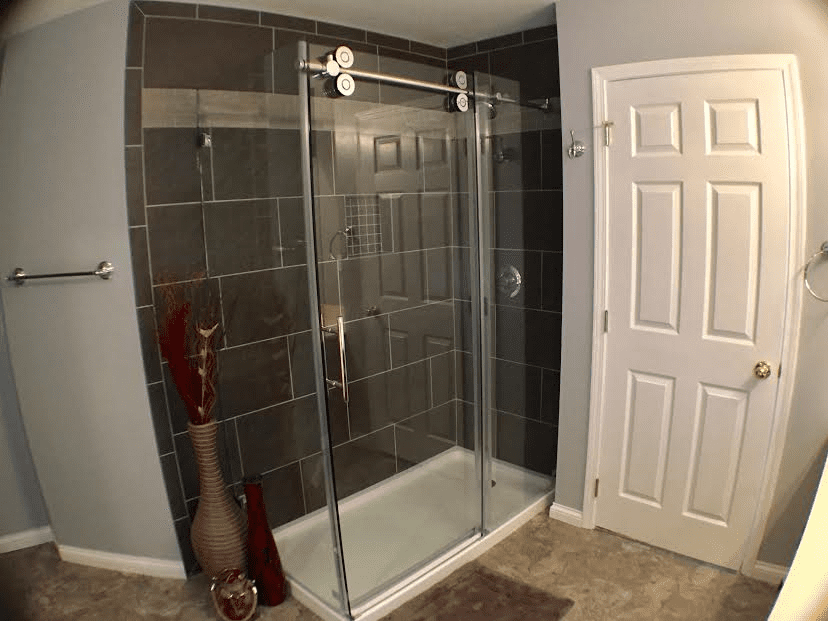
404, 282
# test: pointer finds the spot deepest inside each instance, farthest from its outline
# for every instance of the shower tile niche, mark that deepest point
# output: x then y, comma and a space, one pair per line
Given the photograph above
233, 213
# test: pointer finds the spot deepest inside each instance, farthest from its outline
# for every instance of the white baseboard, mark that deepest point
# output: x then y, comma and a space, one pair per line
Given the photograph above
143, 565
768, 572
26, 539
566, 515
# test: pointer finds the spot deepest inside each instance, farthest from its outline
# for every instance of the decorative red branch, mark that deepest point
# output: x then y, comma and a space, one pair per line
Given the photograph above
179, 333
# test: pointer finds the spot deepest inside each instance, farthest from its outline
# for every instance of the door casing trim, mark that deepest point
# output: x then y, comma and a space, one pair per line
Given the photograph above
787, 65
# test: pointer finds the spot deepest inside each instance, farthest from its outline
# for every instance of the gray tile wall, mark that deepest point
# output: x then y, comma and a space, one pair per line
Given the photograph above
220, 214
528, 225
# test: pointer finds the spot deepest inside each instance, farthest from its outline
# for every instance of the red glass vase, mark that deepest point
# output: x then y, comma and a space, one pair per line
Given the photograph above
264, 565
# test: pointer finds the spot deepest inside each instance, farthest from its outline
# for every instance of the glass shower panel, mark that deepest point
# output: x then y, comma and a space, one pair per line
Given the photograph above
521, 342
251, 218
392, 206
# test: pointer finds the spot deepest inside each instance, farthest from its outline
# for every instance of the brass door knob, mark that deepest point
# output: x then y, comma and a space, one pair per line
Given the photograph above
762, 370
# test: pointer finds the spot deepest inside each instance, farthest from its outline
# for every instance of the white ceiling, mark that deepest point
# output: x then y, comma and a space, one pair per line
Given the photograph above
444, 23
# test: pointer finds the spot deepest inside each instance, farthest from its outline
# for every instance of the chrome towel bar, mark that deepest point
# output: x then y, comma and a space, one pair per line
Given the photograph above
104, 271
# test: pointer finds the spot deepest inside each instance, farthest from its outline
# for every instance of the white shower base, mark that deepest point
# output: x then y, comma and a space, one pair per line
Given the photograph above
401, 523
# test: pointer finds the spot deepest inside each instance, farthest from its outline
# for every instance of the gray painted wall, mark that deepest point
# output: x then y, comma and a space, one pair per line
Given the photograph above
593, 33
22, 507
74, 344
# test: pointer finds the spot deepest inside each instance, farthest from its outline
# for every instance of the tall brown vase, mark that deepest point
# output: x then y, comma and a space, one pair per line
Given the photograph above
219, 530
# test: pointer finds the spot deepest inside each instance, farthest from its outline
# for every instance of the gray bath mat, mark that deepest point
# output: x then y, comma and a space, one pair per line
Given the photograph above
475, 593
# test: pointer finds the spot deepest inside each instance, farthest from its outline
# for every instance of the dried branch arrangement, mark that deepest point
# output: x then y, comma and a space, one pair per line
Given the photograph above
188, 340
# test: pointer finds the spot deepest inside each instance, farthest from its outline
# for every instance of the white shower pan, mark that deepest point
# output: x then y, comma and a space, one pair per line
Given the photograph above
389, 527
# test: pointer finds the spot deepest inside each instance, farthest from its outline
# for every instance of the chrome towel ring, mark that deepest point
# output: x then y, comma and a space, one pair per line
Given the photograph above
823, 250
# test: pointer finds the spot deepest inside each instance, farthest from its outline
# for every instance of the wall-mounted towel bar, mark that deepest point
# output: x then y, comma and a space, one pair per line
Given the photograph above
104, 270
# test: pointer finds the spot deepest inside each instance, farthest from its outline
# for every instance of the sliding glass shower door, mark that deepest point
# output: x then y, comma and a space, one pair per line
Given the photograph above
392, 210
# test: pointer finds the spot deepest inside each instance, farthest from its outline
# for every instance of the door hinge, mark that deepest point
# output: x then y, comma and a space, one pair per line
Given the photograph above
607, 125
596, 488
606, 321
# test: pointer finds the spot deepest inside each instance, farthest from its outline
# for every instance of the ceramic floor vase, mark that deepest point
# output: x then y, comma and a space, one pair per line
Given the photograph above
219, 530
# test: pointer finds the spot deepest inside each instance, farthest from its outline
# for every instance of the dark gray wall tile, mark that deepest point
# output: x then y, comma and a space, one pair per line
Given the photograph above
464, 376
528, 336
207, 55
465, 425
140, 266
288, 22
176, 242
313, 482
517, 388
283, 496
526, 443
552, 157
135, 37
177, 410
508, 40
322, 162
134, 159
205, 11
425, 435
457, 51
149, 344
301, 364
439, 262
463, 274
132, 102
552, 280
182, 532
551, 396
242, 236
330, 224
529, 265
402, 283
344, 32
421, 332
529, 220
387, 41
389, 397
337, 417
263, 305
463, 325
292, 231
428, 50
160, 419
172, 482
442, 378
227, 449
171, 165
256, 163
254, 376
167, 9
517, 161
520, 64
470, 63
278, 435
411, 66
538, 34
367, 347
364, 462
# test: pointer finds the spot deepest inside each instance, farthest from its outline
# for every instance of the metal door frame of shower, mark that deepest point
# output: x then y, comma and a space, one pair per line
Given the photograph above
476, 542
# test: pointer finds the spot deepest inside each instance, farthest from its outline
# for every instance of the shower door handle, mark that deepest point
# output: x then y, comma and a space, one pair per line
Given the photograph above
343, 361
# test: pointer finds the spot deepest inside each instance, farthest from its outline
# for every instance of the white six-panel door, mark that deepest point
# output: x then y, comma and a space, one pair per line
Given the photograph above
697, 225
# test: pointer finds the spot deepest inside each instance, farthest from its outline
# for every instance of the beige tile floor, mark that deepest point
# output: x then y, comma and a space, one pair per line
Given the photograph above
608, 577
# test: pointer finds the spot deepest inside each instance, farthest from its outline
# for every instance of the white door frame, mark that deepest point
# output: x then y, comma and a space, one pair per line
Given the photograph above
601, 77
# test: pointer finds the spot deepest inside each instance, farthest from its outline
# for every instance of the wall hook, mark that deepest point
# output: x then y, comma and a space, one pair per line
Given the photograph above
576, 147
